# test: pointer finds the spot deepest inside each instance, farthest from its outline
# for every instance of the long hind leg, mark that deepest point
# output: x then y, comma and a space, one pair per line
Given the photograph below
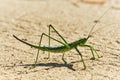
49, 36
43, 34
50, 26
38, 50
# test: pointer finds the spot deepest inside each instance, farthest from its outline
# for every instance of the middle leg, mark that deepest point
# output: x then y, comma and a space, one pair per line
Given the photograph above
81, 58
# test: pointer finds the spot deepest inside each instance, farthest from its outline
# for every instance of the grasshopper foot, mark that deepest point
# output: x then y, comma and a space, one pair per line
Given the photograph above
84, 68
93, 58
100, 56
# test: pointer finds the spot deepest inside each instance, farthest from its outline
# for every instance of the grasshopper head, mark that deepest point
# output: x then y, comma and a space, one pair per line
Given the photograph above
83, 40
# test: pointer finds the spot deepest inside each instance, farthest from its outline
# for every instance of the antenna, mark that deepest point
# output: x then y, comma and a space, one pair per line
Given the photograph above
97, 22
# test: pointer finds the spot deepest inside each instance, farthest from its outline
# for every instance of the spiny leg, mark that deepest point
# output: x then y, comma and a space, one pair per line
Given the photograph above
81, 58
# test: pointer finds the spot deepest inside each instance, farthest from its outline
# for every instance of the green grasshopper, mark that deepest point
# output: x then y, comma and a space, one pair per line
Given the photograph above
65, 45
63, 48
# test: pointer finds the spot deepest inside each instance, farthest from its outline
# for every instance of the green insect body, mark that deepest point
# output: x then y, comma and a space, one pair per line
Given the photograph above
58, 49
65, 45
63, 48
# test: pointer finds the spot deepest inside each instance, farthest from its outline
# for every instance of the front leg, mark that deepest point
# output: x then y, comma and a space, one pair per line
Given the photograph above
92, 51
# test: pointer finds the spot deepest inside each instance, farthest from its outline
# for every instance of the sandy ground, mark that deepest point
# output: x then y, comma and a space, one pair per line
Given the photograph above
28, 19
